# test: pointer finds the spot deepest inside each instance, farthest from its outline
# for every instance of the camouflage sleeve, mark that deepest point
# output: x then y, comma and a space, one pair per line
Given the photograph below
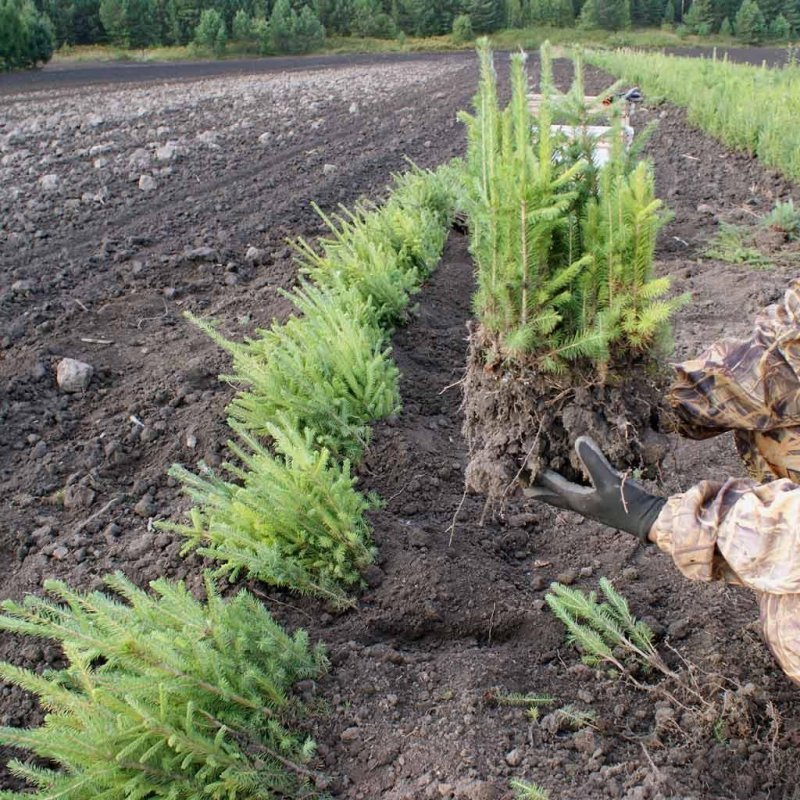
744, 384
735, 531
743, 534
780, 621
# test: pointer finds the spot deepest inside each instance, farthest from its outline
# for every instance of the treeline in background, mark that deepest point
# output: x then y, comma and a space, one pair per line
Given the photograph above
31, 29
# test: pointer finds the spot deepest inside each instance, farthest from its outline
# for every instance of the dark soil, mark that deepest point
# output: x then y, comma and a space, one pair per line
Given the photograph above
455, 608
63, 75
519, 421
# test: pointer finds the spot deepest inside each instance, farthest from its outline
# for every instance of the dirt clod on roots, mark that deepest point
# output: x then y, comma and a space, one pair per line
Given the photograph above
519, 421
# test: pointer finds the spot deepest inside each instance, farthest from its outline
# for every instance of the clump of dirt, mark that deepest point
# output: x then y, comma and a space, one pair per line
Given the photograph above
519, 421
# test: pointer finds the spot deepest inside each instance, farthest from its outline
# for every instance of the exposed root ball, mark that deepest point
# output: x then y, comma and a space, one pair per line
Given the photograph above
519, 422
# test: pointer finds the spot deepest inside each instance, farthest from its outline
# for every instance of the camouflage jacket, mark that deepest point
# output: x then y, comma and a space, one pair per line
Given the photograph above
742, 531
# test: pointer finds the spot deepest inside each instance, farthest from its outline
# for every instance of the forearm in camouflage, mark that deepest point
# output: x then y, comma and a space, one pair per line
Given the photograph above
748, 535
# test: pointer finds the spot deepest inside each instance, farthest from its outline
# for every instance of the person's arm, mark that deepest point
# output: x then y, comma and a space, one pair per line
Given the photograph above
735, 531
744, 534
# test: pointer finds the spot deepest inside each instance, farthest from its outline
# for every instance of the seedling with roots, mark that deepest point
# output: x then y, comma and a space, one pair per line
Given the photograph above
564, 250
606, 632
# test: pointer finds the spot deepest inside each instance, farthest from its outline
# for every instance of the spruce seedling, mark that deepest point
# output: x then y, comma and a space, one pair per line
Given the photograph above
528, 791
163, 696
328, 370
605, 632
293, 518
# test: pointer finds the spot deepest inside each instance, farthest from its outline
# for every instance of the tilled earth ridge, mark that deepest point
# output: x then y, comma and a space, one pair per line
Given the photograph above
451, 614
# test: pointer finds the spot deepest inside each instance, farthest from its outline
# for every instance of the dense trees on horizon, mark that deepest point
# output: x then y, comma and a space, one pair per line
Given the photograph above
26, 35
30, 29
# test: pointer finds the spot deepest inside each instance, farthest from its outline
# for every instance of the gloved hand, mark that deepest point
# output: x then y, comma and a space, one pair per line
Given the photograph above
619, 504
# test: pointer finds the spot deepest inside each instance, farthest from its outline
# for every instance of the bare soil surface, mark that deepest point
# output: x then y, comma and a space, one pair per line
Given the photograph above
64, 74
454, 613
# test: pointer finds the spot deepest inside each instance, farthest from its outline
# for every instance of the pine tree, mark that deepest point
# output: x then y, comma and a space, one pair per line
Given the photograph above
612, 15
184, 17
112, 15
750, 25
726, 29
210, 31
462, 29
700, 17
654, 12
141, 29
771, 9
791, 12
425, 17
281, 26
486, 15
369, 19
308, 31
242, 26
779, 29
336, 16
557, 13
516, 13
723, 9
293, 32
40, 37
669, 13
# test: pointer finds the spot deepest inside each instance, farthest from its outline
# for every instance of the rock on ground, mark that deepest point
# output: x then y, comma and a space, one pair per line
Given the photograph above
73, 375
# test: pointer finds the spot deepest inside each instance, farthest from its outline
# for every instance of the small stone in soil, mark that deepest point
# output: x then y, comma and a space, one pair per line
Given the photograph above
567, 578
679, 629
147, 183
73, 375
77, 496
418, 537
374, 576
630, 573
146, 507
253, 255
60, 553
351, 734
111, 531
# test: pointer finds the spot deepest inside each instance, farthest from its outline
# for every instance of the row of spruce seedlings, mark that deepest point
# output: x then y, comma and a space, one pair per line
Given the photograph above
164, 696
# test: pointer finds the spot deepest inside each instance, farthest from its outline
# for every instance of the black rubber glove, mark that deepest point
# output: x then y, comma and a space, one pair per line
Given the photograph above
615, 502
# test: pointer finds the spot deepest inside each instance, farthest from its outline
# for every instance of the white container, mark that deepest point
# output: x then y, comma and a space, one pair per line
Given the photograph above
601, 134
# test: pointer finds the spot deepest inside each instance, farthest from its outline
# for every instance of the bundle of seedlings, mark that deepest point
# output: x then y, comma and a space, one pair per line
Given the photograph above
162, 696
571, 320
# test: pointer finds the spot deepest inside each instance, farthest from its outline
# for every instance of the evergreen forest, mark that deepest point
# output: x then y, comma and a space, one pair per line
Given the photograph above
30, 30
